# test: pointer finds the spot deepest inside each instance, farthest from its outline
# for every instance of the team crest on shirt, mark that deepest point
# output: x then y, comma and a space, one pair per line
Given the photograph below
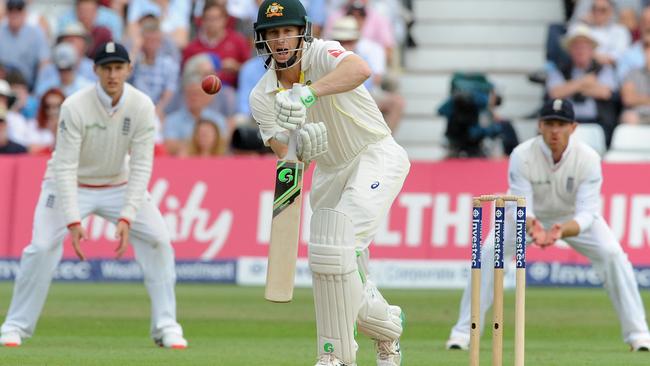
126, 126
62, 126
274, 10
569, 184
49, 203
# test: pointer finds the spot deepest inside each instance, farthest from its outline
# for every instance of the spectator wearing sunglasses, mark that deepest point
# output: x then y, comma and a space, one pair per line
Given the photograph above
6, 145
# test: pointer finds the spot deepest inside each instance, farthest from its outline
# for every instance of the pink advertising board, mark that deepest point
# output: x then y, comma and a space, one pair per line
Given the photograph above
7, 165
221, 209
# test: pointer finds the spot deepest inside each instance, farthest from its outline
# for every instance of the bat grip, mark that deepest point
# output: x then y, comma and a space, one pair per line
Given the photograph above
293, 135
293, 146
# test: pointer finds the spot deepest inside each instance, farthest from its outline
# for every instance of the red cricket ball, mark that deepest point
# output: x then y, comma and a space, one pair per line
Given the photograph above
211, 84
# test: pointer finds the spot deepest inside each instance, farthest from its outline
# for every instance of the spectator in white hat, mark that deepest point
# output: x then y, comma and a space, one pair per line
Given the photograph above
75, 34
588, 84
66, 61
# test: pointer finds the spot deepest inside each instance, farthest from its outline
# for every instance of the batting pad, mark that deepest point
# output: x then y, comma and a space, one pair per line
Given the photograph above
377, 319
338, 290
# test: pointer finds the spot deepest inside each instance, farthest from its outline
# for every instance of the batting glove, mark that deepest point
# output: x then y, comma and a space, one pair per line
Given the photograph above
291, 113
312, 141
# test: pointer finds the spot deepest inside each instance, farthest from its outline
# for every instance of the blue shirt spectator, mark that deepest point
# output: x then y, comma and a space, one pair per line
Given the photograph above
175, 18
22, 46
179, 125
156, 78
585, 107
155, 73
249, 74
316, 12
632, 58
105, 17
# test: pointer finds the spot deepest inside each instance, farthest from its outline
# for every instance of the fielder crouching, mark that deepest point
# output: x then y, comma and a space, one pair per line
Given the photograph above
561, 178
89, 173
360, 170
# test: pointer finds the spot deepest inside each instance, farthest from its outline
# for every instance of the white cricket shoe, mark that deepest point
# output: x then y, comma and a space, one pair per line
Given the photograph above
331, 360
172, 340
10, 339
641, 345
457, 343
388, 353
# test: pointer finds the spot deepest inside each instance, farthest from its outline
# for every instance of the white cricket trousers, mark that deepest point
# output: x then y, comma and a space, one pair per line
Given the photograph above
148, 235
364, 191
604, 251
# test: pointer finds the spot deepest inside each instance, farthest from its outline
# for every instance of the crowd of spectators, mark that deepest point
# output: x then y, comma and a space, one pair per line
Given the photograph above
598, 59
47, 48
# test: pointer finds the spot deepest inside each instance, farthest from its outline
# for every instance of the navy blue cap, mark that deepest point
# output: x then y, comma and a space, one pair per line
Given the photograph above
557, 109
111, 52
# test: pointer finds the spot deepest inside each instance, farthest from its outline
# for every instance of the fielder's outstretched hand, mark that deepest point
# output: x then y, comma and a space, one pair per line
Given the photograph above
291, 113
552, 235
537, 233
77, 234
122, 234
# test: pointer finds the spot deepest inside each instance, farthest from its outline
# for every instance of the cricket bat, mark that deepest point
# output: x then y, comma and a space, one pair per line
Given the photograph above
285, 227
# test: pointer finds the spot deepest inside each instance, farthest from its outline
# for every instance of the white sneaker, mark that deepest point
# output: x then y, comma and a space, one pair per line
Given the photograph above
457, 343
641, 345
388, 353
331, 360
10, 339
172, 340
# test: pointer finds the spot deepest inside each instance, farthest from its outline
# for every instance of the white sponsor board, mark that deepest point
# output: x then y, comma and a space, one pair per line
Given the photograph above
411, 274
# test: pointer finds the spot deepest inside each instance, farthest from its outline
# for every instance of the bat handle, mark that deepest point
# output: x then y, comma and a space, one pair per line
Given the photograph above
293, 135
293, 146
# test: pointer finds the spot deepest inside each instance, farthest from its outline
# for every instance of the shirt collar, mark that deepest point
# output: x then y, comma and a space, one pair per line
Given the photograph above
549, 155
107, 101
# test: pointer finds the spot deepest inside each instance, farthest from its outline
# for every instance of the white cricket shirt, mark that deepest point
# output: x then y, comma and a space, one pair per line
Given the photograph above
93, 142
557, 192
352, 119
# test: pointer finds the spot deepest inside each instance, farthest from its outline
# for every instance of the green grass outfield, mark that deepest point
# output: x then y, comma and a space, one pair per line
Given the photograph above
107, 324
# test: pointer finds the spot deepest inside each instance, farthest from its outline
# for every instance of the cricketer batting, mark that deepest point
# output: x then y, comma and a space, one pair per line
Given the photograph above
360, 170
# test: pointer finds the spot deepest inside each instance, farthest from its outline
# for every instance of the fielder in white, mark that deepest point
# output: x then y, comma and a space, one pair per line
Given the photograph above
360, 170
89, 173
561, 179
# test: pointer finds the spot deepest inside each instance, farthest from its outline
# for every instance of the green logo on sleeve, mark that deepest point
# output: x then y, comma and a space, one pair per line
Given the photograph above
328, 347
